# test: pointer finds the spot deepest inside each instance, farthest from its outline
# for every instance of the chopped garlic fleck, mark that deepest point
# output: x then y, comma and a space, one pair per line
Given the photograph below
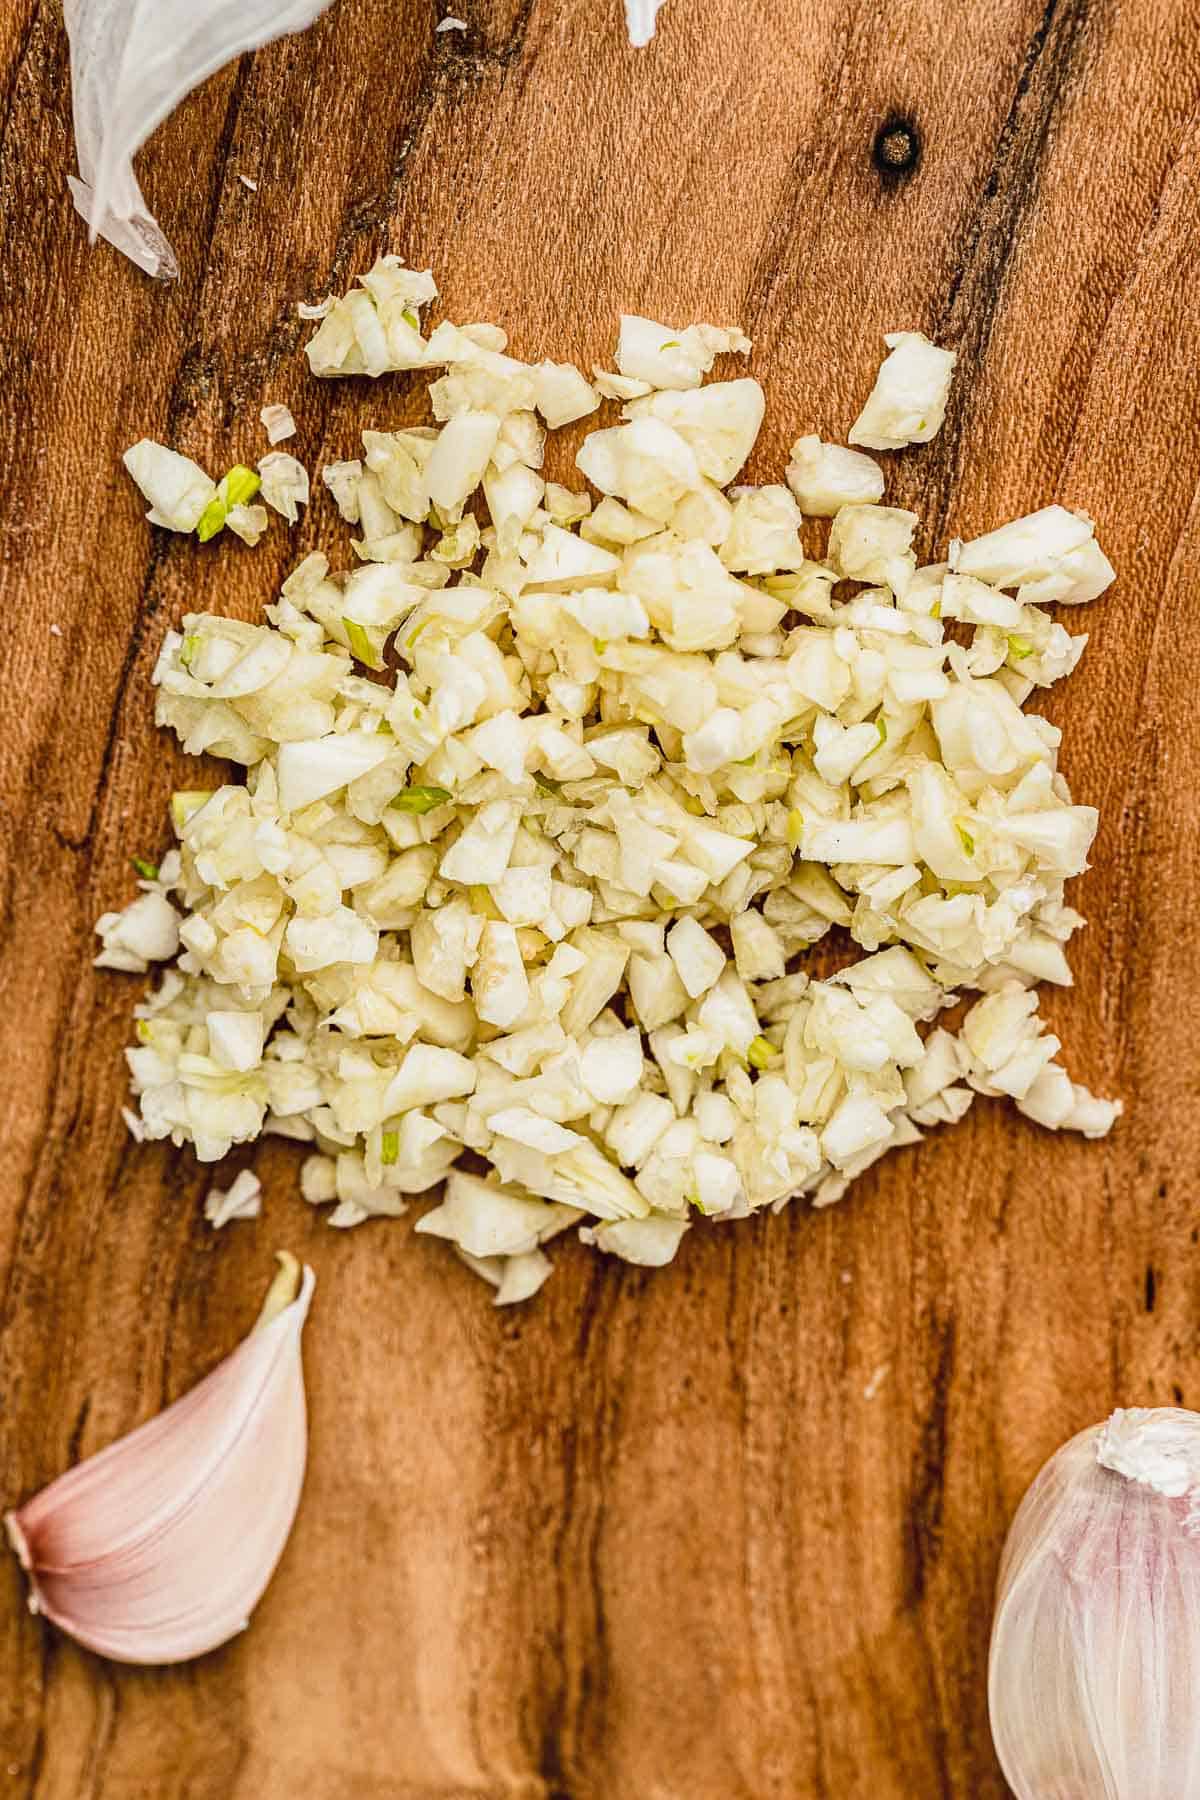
908, 402
284, 483
619, 387
247, 522
665, 358
177, 488
146, 931
243, 1200
825, 477
279, 423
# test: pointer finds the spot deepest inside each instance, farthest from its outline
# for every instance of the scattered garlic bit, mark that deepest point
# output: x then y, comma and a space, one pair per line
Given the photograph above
1049, 557
450, 23
248, 181
278, 422
908, 402
342, 479
177, 488
514, 1278
543, 892
243, 1200
321, 310
879, 1375
247, 522
184, 498
284, 483
561, 394
234, 490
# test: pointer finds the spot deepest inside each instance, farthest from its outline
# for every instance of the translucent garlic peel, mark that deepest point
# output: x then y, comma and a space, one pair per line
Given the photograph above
640, 16
1156, 1446
1094, 1673
278, 422
132, 62
159, 1548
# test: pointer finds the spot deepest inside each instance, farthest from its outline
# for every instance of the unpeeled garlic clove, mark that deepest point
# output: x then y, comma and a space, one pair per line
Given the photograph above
1094, 1674
159, 1548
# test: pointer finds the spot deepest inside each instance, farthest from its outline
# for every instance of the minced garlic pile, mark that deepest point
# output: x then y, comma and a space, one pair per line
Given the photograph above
540, 816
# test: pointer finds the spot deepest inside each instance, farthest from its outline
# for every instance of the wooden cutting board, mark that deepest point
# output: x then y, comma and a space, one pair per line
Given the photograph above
728, 1531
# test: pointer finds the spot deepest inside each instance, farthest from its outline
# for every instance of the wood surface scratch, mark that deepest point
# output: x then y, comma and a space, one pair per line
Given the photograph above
662, 1536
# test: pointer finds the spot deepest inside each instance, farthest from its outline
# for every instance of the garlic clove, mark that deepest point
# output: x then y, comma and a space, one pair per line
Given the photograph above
1094, 1673
159, 1548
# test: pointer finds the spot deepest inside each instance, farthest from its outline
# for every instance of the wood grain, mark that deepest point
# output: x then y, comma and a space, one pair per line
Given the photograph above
648, 1539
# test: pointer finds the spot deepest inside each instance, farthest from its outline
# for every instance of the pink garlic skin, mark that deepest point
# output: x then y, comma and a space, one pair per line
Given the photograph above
159, 1548
1094, 1677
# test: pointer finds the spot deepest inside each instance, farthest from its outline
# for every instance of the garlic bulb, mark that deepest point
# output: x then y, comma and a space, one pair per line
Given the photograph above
1094, 1675
160, 1547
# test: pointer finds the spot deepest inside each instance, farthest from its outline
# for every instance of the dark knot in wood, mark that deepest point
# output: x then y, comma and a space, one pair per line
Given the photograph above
896, 151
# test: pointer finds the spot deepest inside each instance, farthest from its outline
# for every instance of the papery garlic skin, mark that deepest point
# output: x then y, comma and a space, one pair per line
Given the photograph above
1094, 1673
1153, 1446
159, 1548
640, 16
132, 62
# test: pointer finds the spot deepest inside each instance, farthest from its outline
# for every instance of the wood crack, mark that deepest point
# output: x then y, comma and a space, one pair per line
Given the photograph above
967, 317
451, 70
927, 1503
24, 46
